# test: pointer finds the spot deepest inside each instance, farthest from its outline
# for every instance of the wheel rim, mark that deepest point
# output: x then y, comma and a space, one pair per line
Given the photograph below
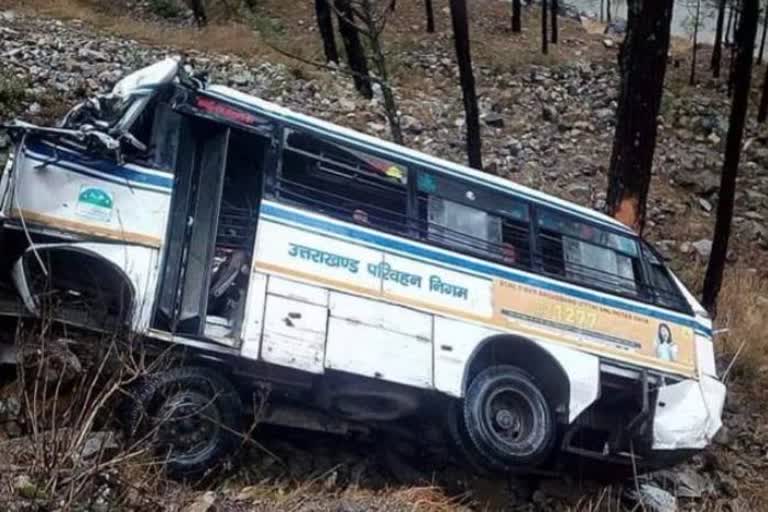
510, 417
188, 425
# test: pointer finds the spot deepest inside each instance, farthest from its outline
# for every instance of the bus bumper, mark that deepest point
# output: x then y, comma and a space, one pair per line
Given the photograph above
688, 414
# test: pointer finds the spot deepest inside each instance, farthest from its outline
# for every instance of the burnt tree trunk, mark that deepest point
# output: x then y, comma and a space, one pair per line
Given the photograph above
762, 39
692, 78
717, 51
467, 79
516, 16
643, 66
430, 16
745, 41
554, 20
544, 31
608, 11
356, 59
762, 112
325, 26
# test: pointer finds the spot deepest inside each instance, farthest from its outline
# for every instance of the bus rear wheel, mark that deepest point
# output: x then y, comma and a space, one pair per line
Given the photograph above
508, 419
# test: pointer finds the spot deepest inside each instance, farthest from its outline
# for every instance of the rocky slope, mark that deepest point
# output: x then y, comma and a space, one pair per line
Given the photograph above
549, 127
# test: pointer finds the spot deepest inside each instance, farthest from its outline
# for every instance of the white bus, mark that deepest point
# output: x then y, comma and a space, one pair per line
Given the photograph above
372, 286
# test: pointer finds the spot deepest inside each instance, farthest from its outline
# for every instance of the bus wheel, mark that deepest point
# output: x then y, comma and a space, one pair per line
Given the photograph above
191, 415
508, 419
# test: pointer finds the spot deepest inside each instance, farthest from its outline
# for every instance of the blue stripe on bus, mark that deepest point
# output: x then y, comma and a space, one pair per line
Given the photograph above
68, 160
430, 255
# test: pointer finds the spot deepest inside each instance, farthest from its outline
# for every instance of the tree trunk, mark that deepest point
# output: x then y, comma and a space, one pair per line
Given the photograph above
745, 40
356, 59
380, 63
608, 11
555, 8
602, 8
430, 16
544, 31
692, 79
762, 112
728, 27
198, 12
644, 64
516, 16
718, 49
467, 79
762, 39
734, 41
325, 25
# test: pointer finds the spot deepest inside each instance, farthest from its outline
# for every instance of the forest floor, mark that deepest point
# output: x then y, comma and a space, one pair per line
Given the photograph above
547, 123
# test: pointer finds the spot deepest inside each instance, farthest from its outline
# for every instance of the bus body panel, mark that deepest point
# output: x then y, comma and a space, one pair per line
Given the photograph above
58, 189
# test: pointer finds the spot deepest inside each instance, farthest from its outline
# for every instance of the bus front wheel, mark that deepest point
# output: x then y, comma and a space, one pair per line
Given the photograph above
508, 419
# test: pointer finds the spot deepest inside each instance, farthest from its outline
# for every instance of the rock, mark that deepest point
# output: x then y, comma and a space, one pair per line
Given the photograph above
26, 488
202, 503
686, 247
653, 499
714, 139
241, 78
549, 113
98, 442
580, 192
609, 43
34, 108
617, 26
723, 436
684, 482
604, 114
703, 248
705, 205
514, 146
411, 124
494, 119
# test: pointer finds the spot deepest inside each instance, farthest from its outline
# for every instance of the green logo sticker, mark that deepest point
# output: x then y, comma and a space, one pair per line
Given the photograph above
95, 204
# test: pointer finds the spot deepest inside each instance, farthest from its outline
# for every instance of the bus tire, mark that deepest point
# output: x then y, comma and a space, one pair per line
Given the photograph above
191, 415
508, 419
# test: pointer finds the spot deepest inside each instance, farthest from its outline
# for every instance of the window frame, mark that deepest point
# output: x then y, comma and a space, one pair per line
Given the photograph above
414, 225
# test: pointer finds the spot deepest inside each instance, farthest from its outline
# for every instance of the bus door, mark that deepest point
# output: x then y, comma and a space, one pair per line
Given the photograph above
212, 229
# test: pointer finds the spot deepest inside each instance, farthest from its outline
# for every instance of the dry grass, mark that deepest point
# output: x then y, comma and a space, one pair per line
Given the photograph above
743, 310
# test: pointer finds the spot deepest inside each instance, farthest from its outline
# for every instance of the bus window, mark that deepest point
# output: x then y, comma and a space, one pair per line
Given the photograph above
474, 219
663, 288
587, 254
343, 182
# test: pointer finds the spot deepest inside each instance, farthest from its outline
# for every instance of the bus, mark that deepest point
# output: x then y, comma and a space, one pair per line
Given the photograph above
371, 286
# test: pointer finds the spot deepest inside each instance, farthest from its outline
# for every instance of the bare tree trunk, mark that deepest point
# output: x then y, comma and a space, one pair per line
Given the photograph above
198, 11
555, 8
602, 8
762, 39
734, 48
692, 79
608, 10
380, 63
325, 26
745, 40
644, 64
728, 27
544, 31
355, 53
516, 16
717, 51
430, 16
467, 78
762, 112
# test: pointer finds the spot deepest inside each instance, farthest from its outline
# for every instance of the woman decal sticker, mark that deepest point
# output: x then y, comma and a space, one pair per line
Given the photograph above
665, 346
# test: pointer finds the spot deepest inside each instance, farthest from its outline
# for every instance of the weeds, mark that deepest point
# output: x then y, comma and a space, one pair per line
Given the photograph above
13, 92
742, 309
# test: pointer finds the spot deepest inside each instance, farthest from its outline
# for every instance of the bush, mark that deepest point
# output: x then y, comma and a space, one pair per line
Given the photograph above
13, 91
